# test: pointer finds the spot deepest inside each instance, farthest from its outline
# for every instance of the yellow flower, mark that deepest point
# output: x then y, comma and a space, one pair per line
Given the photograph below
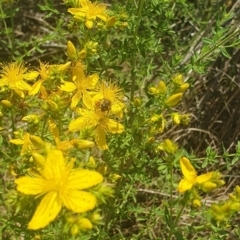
80, 85
190, 176
47, 72
61, 185
99, 122
27, 144
113, 94
90, 12
13, 76
64, 146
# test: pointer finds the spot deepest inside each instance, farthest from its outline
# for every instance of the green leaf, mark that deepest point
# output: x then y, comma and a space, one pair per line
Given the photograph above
208, 40
224, 52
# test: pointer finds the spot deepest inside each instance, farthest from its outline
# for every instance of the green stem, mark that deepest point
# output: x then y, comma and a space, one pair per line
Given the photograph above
220, 43
44, 125
133, 60
171, 192
174, 225
5, 26
13, 122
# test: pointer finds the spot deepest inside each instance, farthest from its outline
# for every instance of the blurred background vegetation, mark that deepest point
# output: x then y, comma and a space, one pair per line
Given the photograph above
174, 36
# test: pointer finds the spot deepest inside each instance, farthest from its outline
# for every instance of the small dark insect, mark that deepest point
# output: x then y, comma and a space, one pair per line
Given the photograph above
104, 105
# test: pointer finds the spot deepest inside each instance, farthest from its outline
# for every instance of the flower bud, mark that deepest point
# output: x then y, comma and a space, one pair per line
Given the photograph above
102, 169
74, 230
114, 177
185, 119
111, 21
152, 90
84, 224
82, 54
176, 118
52, 105
91, 162
88, 24
174, 99
161, 87
33, 119
235, 206
137, 102
38, 158
91, 47
208, 186
178, 79
155, 118
95, 217
20, 93
105, 190
168, 146
37, 141
196, 203
82, 144
232, 197
6, 103
62, 68
12, 171
151, 140
71, 51
183, 88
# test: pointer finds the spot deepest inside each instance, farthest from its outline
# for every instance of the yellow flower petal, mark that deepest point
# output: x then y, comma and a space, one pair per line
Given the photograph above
77, 124
20, 85
184, 185
76, 98
17, 141
30, 186
51, 167
68, 87
204, 177
117, 107
84, 4
187, 169
30, 75
100, 138
79, 201
36, 87
83, 178
46, 212
93, 79
114, 127
3, 82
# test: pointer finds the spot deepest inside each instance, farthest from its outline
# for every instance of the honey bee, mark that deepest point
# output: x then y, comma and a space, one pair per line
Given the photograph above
103, 104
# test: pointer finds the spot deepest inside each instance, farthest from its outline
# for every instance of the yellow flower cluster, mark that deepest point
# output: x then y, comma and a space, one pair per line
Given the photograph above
168, 96
56, 90
46, 101
221, 212
191, 181
95, 14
